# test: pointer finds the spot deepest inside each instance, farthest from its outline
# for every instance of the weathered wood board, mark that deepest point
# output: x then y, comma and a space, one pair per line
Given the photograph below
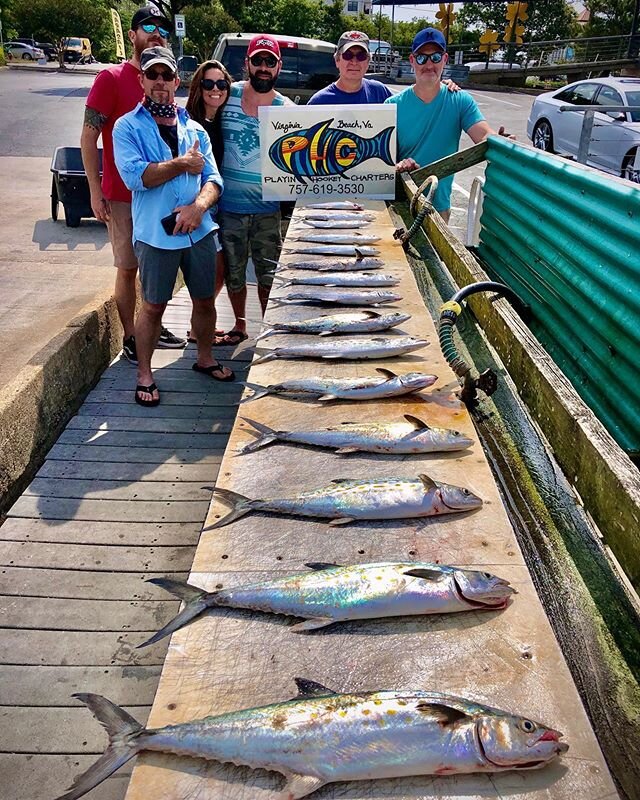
232, 660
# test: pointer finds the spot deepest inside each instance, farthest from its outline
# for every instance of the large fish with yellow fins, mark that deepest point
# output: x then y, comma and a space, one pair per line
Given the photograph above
321, 150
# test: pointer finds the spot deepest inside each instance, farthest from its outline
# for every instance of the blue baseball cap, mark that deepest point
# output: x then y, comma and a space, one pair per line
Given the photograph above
429, 36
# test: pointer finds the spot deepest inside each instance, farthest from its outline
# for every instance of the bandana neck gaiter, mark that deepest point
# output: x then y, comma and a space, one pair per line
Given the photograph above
166, 110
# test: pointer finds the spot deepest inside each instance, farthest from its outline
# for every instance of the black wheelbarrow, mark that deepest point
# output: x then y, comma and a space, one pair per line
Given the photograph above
70, 186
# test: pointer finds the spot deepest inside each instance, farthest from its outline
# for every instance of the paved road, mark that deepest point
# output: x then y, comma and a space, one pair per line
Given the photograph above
49, 272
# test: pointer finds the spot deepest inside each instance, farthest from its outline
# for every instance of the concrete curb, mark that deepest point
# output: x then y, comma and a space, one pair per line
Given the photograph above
35, 407
46, 68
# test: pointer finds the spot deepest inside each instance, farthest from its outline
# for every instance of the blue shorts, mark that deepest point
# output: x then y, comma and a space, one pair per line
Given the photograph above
158, 269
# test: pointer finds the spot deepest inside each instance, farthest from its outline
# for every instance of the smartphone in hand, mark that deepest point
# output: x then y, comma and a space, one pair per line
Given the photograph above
169, 223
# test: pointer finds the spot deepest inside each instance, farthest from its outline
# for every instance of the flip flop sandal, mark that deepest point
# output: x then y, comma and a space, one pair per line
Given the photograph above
147, 390
232, 338
210, 371
217, 332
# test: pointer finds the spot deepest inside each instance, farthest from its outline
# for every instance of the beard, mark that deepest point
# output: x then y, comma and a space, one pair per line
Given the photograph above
262, 85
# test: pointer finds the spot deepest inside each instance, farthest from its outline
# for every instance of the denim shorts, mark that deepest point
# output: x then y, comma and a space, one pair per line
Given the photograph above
158, 269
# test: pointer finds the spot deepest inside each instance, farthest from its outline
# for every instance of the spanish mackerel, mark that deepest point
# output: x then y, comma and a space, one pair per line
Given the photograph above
337, 238
333, 250
402, 438
349, 278
337, 224
376, 347
345, 500
321, 736
342, 297
336, 205
335, 265
372, 387
348, 322
338, 216
333, 593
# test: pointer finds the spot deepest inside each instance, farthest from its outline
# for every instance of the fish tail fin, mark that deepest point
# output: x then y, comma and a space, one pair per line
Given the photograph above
197, 601
258, 391
240, 505
265, 355
265, 333
268, 436
383, 146
122, 729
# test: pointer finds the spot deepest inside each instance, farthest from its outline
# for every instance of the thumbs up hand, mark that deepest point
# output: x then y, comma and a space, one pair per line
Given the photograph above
193, 160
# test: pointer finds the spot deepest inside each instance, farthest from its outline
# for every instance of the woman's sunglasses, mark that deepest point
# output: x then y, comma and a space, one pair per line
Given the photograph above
269, 61
166, 75
422, 58
149, 27
208, 84
361, 55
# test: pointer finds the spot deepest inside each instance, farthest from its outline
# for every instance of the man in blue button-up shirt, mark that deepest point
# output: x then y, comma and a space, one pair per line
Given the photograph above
165, 159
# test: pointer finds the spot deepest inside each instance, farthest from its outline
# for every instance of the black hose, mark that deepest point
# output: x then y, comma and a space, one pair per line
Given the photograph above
449, 313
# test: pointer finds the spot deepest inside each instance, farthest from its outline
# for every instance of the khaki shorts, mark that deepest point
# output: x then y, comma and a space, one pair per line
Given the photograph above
120, 228
259, 233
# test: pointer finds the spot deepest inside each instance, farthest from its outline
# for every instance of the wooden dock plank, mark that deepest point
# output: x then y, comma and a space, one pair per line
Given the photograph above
125, 472
86, 584
118, 410
23, 776
68, 614
53, 685
116, 510
232, 660
95, 558
78, 648
95, 489
54, 730
153, 425
214, 442
139, 534
196, 399
147, 455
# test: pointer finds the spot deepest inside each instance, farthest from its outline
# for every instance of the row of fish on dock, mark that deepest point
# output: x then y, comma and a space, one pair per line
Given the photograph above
322, 736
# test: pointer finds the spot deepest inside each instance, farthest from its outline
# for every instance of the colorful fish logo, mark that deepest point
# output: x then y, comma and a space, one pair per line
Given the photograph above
321, 150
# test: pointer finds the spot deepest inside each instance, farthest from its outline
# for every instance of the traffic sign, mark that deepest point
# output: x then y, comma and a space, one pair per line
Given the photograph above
181, 30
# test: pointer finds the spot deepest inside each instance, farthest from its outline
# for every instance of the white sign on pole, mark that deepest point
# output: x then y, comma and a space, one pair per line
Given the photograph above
180, 27
328, 151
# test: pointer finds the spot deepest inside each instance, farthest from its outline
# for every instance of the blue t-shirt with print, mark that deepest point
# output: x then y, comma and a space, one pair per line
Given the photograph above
430, 131
370, 92
241, 163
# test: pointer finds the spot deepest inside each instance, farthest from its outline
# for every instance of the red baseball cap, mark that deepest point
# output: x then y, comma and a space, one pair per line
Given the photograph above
263, 43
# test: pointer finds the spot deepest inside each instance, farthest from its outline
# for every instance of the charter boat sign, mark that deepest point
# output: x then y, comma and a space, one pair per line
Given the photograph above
328, 151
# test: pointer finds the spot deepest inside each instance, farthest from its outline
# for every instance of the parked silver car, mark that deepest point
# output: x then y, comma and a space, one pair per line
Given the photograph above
615, 139
24, 52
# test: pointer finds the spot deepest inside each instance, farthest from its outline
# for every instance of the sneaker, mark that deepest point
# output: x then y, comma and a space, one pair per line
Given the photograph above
170, 341
129, 349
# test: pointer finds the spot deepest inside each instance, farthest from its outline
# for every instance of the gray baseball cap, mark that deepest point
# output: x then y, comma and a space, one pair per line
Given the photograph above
157, 55
352, 39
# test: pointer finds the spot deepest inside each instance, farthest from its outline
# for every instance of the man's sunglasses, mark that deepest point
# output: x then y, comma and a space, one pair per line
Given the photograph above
269, 61
208, 84
149, 27
153, 75
361, 55
422, 58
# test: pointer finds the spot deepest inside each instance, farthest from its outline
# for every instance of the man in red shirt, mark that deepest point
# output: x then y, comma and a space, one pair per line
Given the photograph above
116, 91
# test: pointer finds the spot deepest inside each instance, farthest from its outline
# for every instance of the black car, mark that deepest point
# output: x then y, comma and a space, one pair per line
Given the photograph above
50, 50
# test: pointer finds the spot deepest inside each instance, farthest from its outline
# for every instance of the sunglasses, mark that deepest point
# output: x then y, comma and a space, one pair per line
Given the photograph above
422, 58
208, 84
149, 27
361, 55
269, 61
153, 75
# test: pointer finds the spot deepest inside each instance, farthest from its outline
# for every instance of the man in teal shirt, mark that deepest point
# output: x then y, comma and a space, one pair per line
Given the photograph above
431, 118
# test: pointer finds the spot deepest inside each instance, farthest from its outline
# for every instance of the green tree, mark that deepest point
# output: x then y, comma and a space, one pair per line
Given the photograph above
334, 22
204, 24
609, 17
551, 19
300, 18
54, 20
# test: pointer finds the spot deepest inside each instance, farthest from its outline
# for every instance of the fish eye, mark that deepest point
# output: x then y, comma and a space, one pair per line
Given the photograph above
487, 575
527, 726
456, 433
466, 492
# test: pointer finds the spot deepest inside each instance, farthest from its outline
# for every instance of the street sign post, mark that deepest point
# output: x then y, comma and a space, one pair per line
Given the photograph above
180, 27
